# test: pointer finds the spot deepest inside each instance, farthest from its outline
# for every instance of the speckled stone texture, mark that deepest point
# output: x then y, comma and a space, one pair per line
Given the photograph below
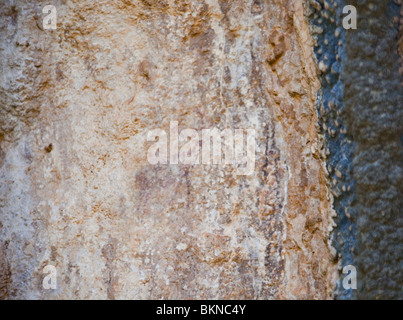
361, 112
78, 193
329, 43
374, 101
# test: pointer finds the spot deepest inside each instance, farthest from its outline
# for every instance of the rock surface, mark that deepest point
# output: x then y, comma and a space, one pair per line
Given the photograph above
78, 193
374, 102
361, 109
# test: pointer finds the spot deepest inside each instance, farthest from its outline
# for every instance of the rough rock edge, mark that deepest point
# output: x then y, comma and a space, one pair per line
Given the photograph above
351, 157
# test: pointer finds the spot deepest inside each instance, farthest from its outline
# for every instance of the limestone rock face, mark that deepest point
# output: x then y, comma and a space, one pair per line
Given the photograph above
78, 192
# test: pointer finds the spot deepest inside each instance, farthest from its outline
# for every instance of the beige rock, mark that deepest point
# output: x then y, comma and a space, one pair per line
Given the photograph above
78, 193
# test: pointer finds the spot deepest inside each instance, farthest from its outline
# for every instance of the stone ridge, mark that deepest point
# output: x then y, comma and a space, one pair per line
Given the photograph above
329, 44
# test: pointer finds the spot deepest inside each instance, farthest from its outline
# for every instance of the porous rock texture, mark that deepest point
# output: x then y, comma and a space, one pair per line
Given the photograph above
361, 111
78, 193
374, 102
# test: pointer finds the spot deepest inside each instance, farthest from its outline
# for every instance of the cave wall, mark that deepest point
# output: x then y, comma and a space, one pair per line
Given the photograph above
361, 110
77, 191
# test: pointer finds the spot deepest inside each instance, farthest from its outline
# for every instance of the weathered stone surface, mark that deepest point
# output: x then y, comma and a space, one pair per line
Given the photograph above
361, 111
374, 102
4, 274
77, 190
